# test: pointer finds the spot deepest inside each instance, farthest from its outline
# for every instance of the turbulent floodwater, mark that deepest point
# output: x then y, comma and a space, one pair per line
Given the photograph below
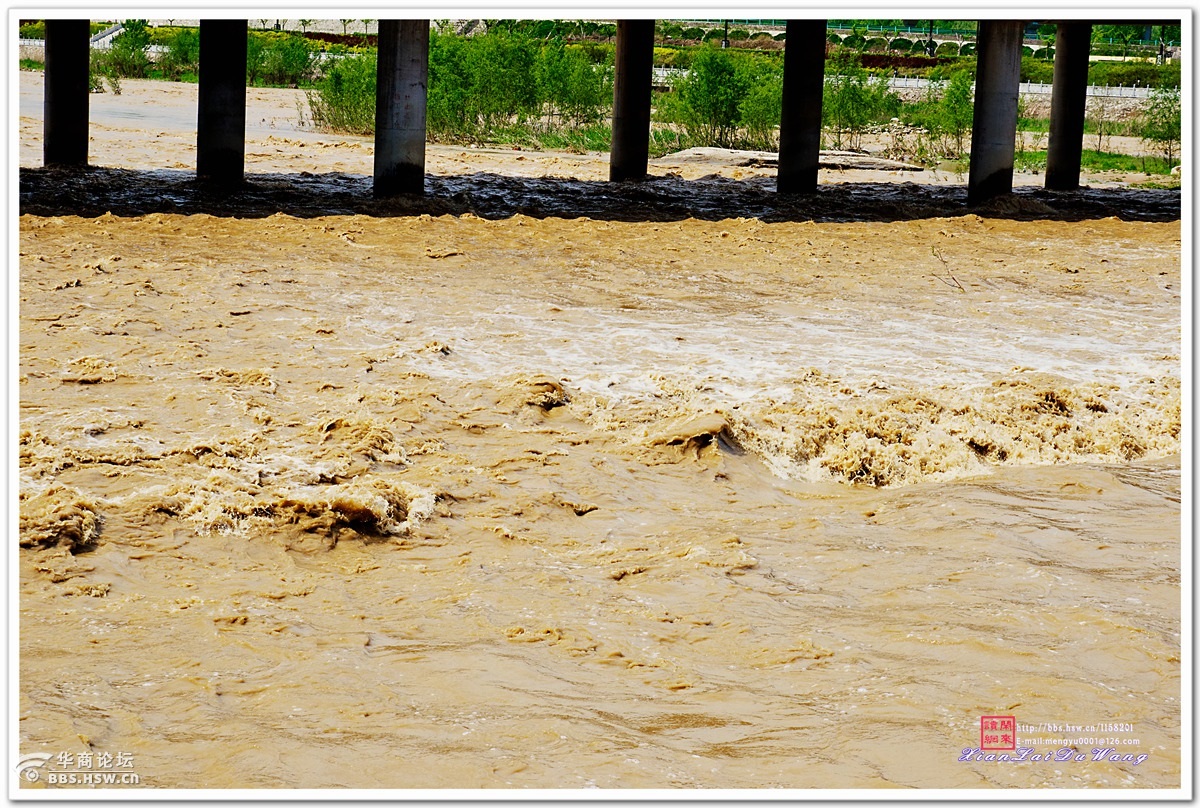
438, 501
705, 488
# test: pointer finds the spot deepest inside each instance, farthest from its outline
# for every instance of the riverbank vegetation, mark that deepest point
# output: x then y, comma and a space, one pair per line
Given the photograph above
548, 84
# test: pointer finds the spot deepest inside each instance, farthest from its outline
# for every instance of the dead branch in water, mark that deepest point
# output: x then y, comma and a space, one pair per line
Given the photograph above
949, 280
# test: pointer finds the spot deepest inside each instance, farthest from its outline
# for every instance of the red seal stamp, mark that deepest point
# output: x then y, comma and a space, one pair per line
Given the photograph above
997, 732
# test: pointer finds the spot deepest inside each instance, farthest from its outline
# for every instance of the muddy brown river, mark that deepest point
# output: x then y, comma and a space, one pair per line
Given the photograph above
541, 483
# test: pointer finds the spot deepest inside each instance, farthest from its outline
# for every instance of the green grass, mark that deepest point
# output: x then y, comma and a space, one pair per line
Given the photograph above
595, 137
1092, 160
1042, 125
32, 64
1166, 184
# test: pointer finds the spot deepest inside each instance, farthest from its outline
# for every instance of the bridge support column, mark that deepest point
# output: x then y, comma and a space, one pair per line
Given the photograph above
401, 95
994, 130
1068, 105
221, 118
803, 88
65, 105
631, 100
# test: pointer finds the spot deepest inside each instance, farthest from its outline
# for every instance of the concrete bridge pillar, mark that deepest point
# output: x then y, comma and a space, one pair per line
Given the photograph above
401, 95
803, 89
221, 118
65, 104
1068, 105
631, 100
994, 130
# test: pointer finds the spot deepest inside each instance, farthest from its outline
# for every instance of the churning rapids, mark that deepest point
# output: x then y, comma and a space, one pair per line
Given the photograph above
475, 497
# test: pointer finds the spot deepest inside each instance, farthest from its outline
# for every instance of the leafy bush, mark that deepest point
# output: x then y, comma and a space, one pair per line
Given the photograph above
1144, 74
900, 45
344, 100
672, 57
947, 114
1161, 123
947, 49
727, 99
571, 86
761, 109
127, 58
946, 70
708, 98
544, 29
183, 54
738, 34
498, 85
853, 100
1037, 70
287, 60
692, 33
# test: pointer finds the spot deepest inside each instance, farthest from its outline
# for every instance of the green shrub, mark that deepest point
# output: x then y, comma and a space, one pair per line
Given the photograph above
761, 108
692, 33
344, 100
1161, 123
853, 100
728, 99
127, 58
99, 72
709, 97
901, 45
287, 60
947, 49
570, 86
502, 78
738, 34
955, 111
544, 29
256, 57
1037, 70
183, 54
1144, 74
